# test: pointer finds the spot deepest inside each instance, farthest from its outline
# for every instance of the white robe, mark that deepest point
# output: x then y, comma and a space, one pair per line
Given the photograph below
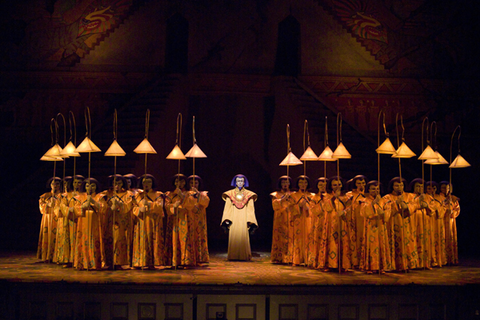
240, 213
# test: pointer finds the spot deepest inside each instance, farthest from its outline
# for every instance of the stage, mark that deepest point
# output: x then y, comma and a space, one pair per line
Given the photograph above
240, 290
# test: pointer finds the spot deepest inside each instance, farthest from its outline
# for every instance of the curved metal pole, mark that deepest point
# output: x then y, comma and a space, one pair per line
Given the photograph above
71, 118
451, 144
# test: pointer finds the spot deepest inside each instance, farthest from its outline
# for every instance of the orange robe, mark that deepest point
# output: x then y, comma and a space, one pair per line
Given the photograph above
183, 232
355, 225
335, 231
66, 229
302, 222
438, 228
424, 235
116, 237
375, 249
48, 204
240, 211
317, 241
88, 240
198, 205
148, 245
452, 211
280, 234
401, 233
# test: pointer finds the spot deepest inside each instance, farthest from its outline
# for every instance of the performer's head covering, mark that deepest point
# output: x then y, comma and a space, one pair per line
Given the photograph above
56, 179
334, 178
303, 177
91, 180
197, 178
234, 180
132, 178
279, 182
351, 184
179, 176
411, 186
117, 177
147, 176
396, 179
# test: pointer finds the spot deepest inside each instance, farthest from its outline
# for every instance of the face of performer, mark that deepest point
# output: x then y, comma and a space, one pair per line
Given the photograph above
431, 189
373, 190
179, 183
129, 183
76, 184
55, 185
418, 188
360, 184
118, 185
285, 185
336, 185
240, 182
90, 187
398, 188
302, 184
194, 184
444, 188
147, 184
322, 186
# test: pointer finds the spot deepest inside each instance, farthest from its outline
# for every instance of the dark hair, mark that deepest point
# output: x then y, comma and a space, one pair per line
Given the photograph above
56, 179
117, 177
279, 182
411, 186
396, 179
433, 184
300, 178
334, 178
179, 176
91, 180
351, 184
132, 178
321, 179
146, 176
197, 178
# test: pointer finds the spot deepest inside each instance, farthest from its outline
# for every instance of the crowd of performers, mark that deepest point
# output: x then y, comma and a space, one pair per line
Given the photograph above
129, 225
360, 229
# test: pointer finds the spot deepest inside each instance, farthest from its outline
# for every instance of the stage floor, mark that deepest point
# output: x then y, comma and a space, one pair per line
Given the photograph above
24, 267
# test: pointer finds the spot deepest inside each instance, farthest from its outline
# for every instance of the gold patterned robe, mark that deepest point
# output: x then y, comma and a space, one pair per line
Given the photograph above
148, 241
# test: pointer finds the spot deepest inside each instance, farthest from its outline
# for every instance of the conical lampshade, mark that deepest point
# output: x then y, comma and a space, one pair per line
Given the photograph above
326, 155
428, 153
386, 147
115, 150
145, 147
176, 154
341, 152
438, 161
459, 162
55, 151
291, 160
195, 152
70, 150
87, 145
403, 152
50, 158
309, 155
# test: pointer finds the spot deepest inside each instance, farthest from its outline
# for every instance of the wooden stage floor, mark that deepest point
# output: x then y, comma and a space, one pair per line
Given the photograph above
24, 267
